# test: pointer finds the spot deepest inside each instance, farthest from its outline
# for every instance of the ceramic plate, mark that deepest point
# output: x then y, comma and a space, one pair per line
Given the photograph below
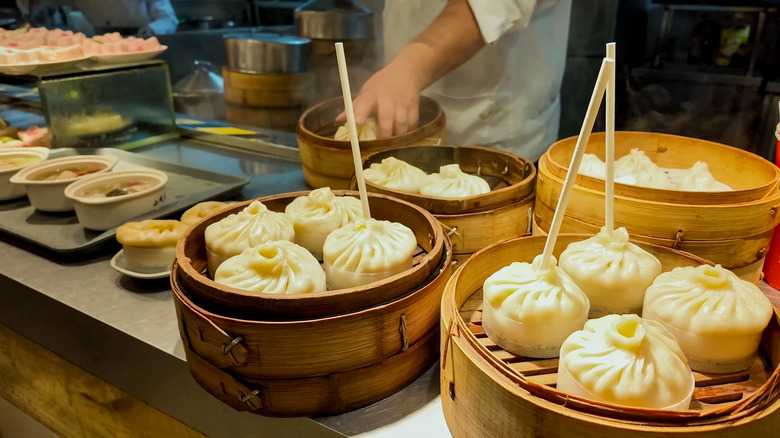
119, 263
124, 58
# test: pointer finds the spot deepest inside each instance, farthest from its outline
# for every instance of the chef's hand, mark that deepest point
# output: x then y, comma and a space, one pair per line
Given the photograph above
393, 93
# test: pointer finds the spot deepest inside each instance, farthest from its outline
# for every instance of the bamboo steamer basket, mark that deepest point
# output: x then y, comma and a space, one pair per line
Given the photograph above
472, 222
266, 90
722, 252
328, 162
283, 119
191, 257
488, 392
305, 367
729, 228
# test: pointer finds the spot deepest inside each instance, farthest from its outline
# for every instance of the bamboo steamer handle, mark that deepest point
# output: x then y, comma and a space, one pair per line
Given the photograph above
203, 336
222, 385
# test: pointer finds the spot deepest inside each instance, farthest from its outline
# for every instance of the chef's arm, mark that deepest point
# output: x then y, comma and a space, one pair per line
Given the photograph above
394, 92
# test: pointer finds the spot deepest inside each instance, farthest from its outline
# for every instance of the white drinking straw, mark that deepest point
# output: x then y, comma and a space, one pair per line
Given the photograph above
587, 126
609, 195
353, 137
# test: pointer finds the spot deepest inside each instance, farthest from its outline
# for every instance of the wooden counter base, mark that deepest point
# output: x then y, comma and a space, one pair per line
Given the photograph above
72, 402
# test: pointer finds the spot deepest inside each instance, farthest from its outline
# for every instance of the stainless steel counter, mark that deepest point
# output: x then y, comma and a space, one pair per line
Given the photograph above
125, 331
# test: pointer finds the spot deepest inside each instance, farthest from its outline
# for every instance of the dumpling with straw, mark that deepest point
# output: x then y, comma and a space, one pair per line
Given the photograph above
395, 174
530, 309
367, 250
452, 182
612, 271
638, 170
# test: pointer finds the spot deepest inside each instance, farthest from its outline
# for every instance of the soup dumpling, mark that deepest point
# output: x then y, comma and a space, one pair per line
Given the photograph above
451, 182
638, 170
626, 360
529, 310
275, 267
366, 132
319, 213
150, 244
395, 174
200, 210
612, 271
367, 250
716, 317
699, 179
248, 228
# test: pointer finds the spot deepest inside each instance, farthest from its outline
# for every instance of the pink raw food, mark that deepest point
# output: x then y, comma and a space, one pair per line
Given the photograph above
35, 136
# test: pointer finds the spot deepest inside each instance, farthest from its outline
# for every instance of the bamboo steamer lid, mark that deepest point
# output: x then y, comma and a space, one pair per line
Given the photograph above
488, 392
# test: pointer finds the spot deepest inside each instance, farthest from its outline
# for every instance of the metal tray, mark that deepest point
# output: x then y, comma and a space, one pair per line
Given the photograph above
62, 233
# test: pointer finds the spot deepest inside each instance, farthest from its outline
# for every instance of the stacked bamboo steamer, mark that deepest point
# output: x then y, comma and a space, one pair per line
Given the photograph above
473, 222
487, 392
266, 80
732, 229
324, 353
328, 162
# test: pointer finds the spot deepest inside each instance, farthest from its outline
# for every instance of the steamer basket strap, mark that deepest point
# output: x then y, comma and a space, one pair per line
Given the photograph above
219, 348
222, 385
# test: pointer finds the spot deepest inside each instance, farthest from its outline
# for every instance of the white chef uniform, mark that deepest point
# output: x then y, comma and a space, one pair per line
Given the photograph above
507, 95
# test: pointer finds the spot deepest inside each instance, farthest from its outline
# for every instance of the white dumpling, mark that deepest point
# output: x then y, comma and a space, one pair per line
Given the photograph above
276, 267
625, 360
699, 179
367, 250
612, 271
250, 227
529, 310
592, 165
395, 174
200, 210
451, 182
319, 213
716, 317
638, 170
366, 132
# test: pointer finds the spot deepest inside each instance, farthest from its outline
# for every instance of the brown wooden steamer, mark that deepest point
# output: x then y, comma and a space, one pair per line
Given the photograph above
488, 392
328, 162
312, 366
283, 119
266, 90
191, 256
730, 228
473, 222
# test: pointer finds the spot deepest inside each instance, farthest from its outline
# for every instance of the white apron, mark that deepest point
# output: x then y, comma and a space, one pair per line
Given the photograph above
507, 96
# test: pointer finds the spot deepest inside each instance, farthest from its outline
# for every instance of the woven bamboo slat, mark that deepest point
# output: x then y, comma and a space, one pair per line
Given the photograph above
266, 90
191, 256
330, 158
488, 392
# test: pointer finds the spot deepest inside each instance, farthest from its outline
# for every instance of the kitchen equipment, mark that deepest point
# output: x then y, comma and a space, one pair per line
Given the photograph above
200, 93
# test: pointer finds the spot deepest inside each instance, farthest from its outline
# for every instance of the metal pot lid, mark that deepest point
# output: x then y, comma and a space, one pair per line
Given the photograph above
334, 20
269, 38
201, 81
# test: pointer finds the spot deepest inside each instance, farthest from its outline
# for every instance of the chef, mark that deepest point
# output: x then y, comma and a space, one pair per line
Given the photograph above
142, 17
495, 66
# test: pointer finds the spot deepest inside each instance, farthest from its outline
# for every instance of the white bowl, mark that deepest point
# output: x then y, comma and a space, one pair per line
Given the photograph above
103, 213
10, 191
50, 195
